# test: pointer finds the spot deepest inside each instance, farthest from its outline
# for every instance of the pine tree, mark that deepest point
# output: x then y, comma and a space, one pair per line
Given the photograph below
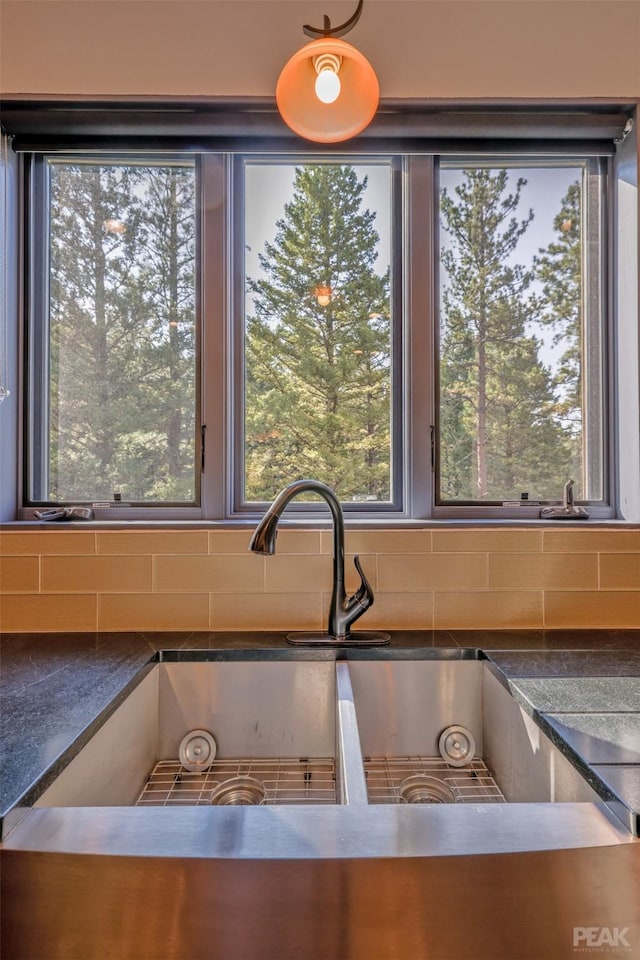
111, 376
559, 270
169, 233
318, 346
500, 433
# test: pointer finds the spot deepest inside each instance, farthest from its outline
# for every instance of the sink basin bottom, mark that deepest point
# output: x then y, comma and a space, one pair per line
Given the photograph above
284, 781
246, 782
429, 780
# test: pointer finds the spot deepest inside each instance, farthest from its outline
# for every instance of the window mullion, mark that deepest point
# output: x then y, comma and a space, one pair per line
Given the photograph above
419, 322
594, 345
214, 287
37, 340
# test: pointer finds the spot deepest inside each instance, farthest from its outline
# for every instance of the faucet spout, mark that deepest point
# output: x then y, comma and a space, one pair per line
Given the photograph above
344, 611
264, 536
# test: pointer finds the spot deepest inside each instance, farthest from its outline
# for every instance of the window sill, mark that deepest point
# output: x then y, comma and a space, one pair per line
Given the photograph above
319, 523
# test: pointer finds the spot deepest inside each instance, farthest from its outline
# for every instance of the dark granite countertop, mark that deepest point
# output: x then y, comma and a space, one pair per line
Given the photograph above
588, 703
582, 687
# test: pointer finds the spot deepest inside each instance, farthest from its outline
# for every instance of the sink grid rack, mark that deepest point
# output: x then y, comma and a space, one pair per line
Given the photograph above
305, 780
284, 781
471, 783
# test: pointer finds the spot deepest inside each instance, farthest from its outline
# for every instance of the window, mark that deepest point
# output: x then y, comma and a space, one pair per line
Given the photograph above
426, 329
319, 386
520, 405
114, 345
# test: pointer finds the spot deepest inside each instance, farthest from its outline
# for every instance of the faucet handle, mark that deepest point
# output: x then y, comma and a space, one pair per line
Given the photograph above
364, 594
567, 495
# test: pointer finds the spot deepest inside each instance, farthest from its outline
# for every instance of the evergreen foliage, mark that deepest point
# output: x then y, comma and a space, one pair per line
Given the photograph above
122, 364
318, 341
559, 270
500, 426
318, 368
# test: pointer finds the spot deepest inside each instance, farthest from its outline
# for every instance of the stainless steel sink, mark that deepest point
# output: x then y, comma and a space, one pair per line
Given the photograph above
274, 722
88, 874
403, 707
318, 732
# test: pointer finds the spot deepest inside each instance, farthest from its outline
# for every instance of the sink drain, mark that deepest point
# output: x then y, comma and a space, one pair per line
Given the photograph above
197, 751
423, 789
238, 791
457, 746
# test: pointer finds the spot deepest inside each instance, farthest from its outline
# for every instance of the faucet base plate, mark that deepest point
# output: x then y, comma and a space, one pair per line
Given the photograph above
360, 638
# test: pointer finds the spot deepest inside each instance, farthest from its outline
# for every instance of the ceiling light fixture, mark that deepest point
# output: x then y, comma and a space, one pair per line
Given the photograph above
328, 91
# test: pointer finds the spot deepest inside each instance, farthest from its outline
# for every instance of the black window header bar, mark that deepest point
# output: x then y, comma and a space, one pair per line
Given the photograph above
234, 125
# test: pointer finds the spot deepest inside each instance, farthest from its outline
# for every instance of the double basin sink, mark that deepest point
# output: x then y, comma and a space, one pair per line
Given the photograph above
317, 732
327, 825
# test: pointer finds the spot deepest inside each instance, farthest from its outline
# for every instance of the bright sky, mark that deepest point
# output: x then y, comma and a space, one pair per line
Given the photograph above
543, 193
269, 186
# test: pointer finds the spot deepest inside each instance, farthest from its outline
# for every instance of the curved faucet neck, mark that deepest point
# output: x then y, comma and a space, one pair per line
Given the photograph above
315, 486
263, 540
311, 486
344, 610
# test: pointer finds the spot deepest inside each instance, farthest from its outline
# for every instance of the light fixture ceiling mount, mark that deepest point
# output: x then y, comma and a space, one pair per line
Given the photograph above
328, 91
328, 31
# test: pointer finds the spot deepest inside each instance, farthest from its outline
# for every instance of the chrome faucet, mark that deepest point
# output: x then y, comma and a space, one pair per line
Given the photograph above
344, 610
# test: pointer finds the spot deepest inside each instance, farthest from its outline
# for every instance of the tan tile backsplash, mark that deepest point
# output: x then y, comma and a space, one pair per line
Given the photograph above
21, 613
602, 609
592, 541
445, 577
620, 571
123, 574
122, 544
296, 574
501, 609
266, 611
413, 611
490, 540
19, 574
382, 541
229, 573
153, 611
54, 542
558, 571
425, 571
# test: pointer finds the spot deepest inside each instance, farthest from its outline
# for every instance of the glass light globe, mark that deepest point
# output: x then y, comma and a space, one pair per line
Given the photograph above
328, 85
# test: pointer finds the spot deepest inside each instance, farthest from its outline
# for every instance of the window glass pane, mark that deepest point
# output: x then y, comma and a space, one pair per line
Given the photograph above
520, 407
121, 372
318, 343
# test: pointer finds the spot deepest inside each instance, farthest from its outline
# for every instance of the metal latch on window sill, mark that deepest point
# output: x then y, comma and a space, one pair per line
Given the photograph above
568, 510
65, 513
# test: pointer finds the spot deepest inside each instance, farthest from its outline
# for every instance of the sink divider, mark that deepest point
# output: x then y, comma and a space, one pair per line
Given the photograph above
350, 776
